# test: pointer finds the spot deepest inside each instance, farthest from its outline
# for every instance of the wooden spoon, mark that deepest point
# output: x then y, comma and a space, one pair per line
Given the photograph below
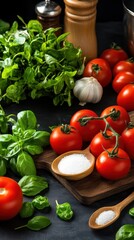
116, 208
78, 176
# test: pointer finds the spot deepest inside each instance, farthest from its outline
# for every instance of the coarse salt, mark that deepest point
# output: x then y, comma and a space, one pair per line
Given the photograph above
74, 164
105, 217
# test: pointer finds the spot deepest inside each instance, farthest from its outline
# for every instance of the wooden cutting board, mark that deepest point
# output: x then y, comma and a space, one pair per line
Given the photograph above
91, 188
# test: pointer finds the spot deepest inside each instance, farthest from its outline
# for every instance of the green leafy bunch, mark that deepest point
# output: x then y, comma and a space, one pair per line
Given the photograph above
22, 143
36, 63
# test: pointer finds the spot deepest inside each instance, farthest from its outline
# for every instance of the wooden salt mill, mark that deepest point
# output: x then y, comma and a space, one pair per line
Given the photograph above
80, 22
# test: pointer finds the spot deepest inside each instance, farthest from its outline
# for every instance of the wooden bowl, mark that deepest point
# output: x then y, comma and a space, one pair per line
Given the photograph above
77, 176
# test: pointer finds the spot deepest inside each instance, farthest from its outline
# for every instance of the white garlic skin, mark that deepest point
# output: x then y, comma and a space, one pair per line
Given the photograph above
88, 89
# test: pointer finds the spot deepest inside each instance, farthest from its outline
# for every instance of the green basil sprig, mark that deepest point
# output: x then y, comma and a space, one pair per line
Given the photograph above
32, 185
25, 140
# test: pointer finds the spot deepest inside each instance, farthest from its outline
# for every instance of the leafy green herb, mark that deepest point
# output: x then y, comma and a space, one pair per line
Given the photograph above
36, 63
40, 202
131, 212
27, 210
64, 211
24, 141
4, 26
32, 185
36, 223
125, 232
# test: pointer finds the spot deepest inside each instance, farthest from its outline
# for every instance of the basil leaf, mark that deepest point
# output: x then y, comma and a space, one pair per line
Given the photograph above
32, 185
27, 210
36, 223
33, 149
26, 120
125, 232
25, 164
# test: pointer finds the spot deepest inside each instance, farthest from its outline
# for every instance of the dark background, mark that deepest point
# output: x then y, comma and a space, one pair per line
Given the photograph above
107, 10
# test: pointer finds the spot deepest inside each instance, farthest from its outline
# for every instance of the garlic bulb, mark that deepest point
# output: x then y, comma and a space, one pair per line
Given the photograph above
88, 89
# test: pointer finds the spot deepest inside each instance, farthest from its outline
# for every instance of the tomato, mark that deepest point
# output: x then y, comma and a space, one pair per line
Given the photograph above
90, 129
65, 138
125, 97
128, 139
99, 69
123, 66
122, 119
122, 79
114, 54
11, 198
101, 142
113, 168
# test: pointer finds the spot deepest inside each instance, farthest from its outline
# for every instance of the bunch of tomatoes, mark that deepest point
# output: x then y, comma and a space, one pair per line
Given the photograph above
109, 137
115, 67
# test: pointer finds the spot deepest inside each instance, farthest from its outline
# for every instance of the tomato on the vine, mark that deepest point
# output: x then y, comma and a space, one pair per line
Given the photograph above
120, 120
65, 138
99, 69
102, 141
11, 198
113, 167
122, 79
114, 54
128, 139
124, 66
125, 97
91, 128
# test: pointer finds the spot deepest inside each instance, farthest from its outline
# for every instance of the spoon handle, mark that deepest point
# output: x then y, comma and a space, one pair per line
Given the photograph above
126, 201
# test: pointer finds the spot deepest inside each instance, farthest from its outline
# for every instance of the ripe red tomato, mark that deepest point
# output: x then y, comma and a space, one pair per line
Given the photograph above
101, 142
114, 54
123, 66
99, 69
65, 138
119, 123
128, 139
113, 168
11, 198
90, 129
122, 79
125, 97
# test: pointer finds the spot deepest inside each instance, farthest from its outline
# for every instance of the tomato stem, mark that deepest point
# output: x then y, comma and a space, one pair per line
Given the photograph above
114, 114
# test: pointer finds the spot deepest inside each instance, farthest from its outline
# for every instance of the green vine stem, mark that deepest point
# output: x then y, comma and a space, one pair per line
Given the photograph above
114, 114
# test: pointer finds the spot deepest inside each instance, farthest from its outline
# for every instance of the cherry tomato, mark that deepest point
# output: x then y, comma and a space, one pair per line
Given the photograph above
118, 122
11, 198
99, 69
113, 168
122, 79
128, 139
123, 66
90, 129
65, 138
125, 97
101, 142
114, 54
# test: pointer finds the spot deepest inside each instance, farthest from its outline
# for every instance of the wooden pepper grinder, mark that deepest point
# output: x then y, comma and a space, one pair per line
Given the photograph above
80, 22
